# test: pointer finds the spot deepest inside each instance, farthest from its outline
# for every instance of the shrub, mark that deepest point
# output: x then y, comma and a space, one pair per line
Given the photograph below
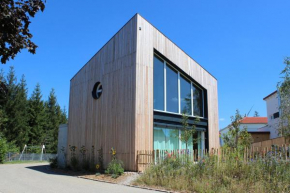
211, 175
74, 162
53, 162
115, 167
100, 160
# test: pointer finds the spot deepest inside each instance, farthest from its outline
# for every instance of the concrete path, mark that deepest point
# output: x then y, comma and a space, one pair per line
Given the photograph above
35, 178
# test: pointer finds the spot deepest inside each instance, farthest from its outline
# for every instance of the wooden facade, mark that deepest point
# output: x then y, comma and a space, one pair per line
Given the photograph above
123, 116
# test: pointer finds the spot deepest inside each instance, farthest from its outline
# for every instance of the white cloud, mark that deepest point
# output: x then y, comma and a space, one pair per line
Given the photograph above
222, 119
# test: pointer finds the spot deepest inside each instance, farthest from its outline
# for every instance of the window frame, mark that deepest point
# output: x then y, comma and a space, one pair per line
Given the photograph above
165, 63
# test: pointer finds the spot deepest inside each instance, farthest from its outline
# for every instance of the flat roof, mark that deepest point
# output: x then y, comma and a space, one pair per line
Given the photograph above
270, 95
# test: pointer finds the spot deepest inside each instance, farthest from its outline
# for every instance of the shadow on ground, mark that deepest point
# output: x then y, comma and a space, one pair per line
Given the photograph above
47, 170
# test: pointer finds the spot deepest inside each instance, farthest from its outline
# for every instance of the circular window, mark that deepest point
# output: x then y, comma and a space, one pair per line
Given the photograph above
97, 90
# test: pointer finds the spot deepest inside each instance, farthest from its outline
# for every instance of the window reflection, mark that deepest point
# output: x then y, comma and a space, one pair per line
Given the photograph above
158, 78
171, 90
197, 102
185, 96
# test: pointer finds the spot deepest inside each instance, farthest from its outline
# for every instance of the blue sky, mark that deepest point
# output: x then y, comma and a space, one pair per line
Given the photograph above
242, 43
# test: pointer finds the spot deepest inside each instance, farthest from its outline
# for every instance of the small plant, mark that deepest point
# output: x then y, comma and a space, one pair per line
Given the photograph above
92, 158
101, 159
74, 162
85, 161
115, 167
53, 162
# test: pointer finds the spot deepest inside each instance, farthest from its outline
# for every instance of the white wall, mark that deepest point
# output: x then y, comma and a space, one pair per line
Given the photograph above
62, 143
272, 103
250, 128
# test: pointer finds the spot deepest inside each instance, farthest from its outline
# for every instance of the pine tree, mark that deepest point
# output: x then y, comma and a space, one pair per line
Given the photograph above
63, 116
256, 114
21, 116
53, 113
37, 117
15, 107
8, 103
2, 100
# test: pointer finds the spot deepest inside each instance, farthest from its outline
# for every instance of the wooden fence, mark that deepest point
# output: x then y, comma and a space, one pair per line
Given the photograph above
268, 143
147, 158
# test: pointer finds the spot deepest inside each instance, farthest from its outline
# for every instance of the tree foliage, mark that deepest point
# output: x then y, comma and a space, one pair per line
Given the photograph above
14, 29
256, 114
187, 132
55, 117
37, 117
237, 137
284, 94
30, 121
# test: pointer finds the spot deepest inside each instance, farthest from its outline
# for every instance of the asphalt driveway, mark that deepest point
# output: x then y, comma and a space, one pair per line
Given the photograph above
35, 178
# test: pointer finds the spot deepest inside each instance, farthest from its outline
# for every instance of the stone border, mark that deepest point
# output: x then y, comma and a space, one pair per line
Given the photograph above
132, 186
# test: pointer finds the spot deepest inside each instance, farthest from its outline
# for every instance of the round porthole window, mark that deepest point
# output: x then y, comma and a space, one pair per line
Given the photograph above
97, 90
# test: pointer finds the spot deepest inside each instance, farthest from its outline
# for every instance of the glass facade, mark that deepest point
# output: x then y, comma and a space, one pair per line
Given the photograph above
174, 93
158, 76
168, 139
197, 101
165, 139
171, 90
185, 96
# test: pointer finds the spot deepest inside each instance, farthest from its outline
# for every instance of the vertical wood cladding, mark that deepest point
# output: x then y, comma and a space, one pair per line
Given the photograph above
108, 121
123, 116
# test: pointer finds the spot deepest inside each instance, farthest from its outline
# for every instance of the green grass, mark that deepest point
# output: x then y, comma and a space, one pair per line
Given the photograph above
24, 162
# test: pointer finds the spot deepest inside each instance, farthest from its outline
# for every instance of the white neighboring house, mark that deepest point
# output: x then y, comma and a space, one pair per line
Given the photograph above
273, 114
256, 126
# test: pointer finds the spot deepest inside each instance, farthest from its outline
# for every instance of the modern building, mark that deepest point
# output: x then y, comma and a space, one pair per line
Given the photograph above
273, 114
262, 128
131, 95
255, 126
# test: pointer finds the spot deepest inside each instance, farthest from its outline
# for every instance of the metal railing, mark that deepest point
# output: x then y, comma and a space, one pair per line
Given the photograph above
29, 156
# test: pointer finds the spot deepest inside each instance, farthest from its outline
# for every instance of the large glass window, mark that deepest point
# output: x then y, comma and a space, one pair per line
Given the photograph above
197, 101
158, 79
168, 139
171, 90
165, 139
185, 96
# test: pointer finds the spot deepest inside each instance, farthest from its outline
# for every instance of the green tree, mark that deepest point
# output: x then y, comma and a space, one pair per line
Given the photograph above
21, 114
37, 117
284, 94
3, 92
15, 128
54, 119
3, 148
63, 116
14, 29
187, 132
237, 137
256, 114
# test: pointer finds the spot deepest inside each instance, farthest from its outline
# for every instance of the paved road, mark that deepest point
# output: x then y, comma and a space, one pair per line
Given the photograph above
35, 178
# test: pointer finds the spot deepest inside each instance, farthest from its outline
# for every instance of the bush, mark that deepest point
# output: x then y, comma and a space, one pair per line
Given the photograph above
53, 162
229, 175
3, 149
115, 168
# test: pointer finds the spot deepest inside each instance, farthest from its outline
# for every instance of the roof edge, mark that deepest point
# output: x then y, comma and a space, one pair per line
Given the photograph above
270, 94
177, 46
